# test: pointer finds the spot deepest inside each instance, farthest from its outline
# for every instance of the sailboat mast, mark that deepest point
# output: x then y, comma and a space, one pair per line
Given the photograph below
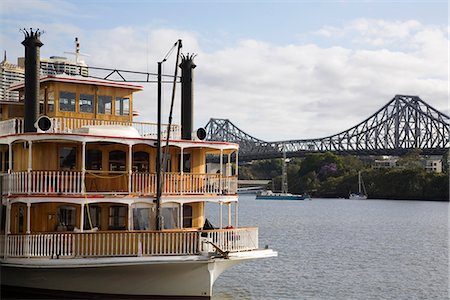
284, 183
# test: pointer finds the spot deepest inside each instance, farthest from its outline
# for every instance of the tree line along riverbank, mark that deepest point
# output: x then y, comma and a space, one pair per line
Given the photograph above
334, 176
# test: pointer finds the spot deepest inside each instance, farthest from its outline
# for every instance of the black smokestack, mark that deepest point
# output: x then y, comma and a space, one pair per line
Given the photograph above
187, 112
32, 65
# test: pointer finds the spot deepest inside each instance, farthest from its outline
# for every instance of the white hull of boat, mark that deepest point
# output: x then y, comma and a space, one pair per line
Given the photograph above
357, 197
132, 276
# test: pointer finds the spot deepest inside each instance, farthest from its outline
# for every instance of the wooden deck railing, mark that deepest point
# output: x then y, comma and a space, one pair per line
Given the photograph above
105, 182
67, 125
129, 243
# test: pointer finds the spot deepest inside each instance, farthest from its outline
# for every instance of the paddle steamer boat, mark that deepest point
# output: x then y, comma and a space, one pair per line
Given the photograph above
79, 191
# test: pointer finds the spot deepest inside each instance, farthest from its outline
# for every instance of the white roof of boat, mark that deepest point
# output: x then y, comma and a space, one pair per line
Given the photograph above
108, 130
77, 79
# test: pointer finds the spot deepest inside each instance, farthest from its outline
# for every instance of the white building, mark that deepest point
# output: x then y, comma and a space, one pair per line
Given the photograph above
60, 65
9, 74
433, 164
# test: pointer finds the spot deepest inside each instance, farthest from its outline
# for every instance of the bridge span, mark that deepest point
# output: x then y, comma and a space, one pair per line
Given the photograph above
404, 123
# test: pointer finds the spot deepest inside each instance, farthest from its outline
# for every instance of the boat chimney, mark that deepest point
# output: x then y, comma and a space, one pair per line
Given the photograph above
32, 67
187, 112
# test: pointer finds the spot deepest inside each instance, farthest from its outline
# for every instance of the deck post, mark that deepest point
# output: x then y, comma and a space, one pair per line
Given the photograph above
237, 156
229, 213
28, 218
220, 216
30, 165
130, 170
220, 174
236, 209
9, 168
83, 168
82, 217
130, 217
181, 215
8, 218
181, 170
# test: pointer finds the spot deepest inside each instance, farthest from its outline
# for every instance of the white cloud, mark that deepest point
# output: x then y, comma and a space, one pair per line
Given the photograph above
295, 91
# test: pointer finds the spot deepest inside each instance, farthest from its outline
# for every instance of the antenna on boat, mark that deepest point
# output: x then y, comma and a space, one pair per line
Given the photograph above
77, 51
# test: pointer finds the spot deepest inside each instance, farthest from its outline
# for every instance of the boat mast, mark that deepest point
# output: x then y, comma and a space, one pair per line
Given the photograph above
284, 183
159, 222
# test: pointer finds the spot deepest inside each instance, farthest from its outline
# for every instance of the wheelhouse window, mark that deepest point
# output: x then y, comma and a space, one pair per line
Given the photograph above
93, 159
66, 218
141, 161
117, 217
122, 106
50, 102
67, 158
66, 101
41, 101
117, 160
187, 216
104, 105
86, 103
92, 217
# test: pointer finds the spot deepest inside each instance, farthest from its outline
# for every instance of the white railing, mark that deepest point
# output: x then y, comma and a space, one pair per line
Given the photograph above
233, 240
130, 243
43, 182
40, 245
11, 126
66, 125
187, 183
71, 182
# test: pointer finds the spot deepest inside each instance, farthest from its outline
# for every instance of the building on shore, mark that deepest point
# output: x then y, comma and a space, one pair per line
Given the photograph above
9, 74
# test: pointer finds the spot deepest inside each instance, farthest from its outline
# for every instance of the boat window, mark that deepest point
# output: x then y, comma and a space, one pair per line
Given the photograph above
168, 163
67, 158
187, 216
117, 217
93, 159
170, 215
143, 219
3, 216
141, 161
41, 101
117, 160
122, 106
6, 161
50, 102
86, 103
21, 219
186, 162
66, 218
66, 101
92, 217
104, 105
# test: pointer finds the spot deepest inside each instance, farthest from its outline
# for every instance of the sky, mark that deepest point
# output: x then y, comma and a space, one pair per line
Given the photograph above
279, 70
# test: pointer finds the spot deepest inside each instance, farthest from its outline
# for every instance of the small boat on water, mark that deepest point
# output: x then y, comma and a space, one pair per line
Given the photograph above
362, 193
269, 195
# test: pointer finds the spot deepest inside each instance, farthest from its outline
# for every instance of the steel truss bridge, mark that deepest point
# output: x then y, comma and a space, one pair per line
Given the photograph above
405, 123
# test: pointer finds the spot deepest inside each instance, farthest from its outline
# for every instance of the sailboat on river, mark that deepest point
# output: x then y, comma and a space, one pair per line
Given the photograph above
284, 195
362, 193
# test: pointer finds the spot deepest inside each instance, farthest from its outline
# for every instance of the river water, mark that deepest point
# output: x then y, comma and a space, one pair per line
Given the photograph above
342, 249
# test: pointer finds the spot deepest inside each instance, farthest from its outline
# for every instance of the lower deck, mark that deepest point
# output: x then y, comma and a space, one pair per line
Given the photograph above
128, 243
